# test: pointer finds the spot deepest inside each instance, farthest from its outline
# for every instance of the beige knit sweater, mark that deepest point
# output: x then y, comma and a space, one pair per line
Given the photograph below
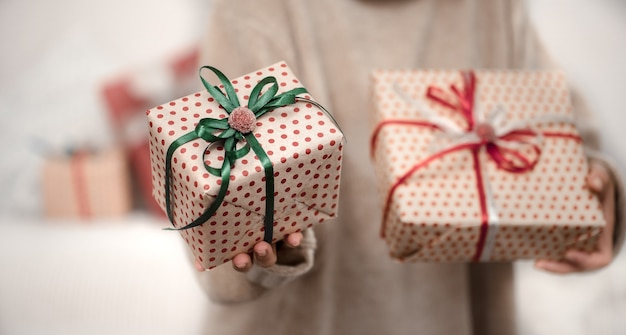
343, 281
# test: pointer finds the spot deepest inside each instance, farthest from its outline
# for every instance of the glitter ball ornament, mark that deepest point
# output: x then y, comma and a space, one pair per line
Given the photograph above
242, 119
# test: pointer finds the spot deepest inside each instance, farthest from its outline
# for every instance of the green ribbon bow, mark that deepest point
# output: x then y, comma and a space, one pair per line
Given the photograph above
218, 130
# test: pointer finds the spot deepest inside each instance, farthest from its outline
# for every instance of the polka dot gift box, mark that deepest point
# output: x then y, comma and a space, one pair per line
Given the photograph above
252, 159
480, 166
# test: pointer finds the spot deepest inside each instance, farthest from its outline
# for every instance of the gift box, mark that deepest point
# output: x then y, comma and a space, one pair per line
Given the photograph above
480, 166
86, 184
252, 159
126, 98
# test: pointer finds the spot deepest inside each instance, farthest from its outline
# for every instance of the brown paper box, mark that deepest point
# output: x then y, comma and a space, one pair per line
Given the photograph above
86, 185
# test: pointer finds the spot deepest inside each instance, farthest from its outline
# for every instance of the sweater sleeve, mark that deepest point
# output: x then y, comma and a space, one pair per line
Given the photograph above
243, 36
225, 285
529, 53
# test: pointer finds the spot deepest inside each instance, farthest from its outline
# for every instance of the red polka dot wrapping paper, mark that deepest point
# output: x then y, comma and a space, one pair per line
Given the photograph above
436, 215
302, 142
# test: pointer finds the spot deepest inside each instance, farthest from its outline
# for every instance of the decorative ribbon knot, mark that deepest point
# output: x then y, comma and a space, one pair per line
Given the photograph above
514, 146
242, 119
485, 132
235, 133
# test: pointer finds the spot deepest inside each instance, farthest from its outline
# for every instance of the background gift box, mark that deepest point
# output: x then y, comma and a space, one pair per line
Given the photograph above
128, 95
481, 166
86, 184
302, 145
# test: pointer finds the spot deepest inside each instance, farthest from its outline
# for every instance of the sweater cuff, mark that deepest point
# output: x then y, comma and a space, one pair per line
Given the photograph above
620, 199
291, 264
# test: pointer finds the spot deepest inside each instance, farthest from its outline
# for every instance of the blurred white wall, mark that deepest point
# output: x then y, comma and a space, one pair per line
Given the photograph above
587, 39
125, 32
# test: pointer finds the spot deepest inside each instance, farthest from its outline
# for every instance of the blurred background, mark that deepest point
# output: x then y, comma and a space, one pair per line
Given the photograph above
75, 78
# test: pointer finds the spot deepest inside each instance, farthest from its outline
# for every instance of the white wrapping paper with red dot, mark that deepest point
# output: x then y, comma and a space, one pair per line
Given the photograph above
302, 142
435, 215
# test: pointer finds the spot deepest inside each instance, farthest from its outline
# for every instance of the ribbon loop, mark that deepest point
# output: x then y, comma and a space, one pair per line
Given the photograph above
464, 97
205, 131
258, 100
229, 103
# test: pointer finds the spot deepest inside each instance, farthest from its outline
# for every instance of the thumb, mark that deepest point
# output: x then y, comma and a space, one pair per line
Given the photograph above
598, 177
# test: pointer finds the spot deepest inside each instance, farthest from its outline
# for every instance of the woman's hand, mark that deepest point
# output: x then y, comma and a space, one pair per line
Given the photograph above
263, 254
599, 181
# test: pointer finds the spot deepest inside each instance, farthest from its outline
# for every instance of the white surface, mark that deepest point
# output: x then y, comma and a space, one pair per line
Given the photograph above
120, 276
130, 277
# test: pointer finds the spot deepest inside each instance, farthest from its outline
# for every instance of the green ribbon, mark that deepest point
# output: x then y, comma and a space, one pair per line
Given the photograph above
218, 130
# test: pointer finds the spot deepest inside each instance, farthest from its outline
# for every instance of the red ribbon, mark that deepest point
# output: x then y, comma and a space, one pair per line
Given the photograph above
505, 158
80, 187
464, 97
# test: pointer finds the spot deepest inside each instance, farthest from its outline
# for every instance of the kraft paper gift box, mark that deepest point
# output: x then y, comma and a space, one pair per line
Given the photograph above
302, 144
86, 184
480, 166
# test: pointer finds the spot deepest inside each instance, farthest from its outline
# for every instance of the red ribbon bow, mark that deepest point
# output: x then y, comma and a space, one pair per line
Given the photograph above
511, 160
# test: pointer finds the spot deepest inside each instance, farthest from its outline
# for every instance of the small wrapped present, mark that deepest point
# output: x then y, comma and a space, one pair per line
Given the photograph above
482, 166
252, 159
86, 184
126, 98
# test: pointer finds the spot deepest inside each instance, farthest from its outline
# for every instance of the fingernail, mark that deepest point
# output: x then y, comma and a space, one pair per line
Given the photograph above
596, 182
241, 265
262, 253
572, 256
